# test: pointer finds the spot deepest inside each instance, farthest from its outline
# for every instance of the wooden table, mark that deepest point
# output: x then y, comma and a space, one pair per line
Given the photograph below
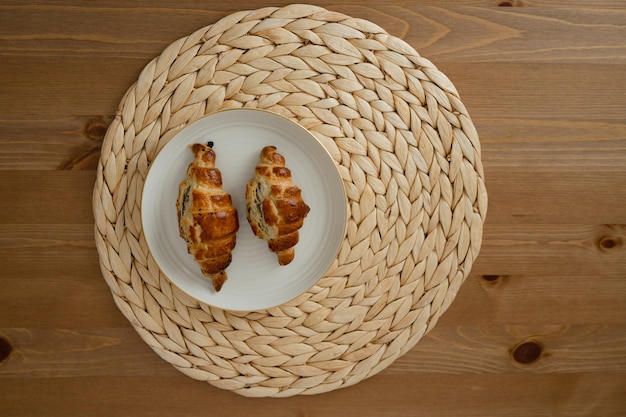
539, 327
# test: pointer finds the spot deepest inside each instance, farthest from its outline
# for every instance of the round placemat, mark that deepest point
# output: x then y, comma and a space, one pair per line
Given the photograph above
409, 157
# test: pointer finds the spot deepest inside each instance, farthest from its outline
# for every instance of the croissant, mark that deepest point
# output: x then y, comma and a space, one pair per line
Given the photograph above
274, 205
207, 219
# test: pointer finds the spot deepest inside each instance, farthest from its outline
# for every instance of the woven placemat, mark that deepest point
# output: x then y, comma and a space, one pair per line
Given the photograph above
409, 156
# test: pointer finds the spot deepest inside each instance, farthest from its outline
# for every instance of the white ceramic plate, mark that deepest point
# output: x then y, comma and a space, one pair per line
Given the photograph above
255, 280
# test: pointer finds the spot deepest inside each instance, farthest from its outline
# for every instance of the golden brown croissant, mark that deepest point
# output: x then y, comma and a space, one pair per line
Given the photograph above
207, 218
274, 205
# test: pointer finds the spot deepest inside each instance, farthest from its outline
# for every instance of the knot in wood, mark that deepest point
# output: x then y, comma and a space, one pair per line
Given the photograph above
609, 242
5, 349
96, 128
527, 352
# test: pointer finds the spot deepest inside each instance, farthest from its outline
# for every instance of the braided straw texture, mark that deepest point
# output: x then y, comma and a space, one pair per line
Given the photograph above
409, 156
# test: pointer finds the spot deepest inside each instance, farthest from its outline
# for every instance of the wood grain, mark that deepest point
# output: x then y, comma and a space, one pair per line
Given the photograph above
487, 349
430, 394
543, 81
484, 349
538, 198
539, 299
61, 142
52, 143
512, 282
488, 32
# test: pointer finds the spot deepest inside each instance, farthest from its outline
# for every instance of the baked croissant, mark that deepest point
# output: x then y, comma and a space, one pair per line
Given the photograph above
274, 205
207, 218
